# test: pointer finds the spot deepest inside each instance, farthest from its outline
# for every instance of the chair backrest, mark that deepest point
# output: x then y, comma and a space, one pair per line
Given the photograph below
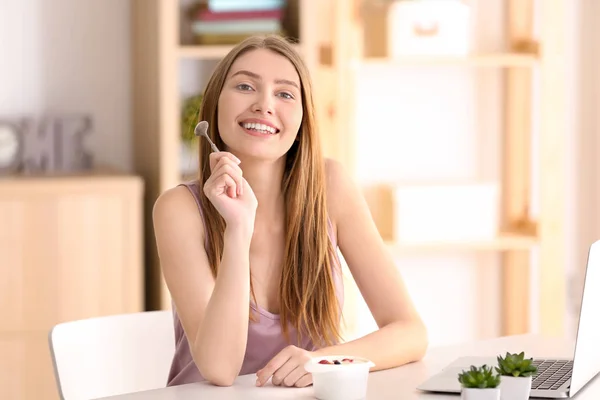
108, 356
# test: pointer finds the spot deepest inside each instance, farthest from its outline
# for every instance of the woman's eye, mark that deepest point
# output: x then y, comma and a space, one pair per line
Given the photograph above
286, 95
244, 86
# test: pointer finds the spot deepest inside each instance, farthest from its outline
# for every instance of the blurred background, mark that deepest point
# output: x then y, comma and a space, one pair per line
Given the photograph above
471, 126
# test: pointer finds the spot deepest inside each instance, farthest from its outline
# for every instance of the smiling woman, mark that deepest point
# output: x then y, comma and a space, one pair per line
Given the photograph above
248, 251
262, 96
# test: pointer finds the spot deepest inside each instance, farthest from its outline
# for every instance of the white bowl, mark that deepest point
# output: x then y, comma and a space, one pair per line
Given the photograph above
339, 381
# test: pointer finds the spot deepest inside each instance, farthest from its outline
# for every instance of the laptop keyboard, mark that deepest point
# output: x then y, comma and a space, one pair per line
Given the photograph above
551, 374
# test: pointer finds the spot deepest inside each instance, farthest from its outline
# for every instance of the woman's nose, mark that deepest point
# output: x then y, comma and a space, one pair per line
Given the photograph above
263, 104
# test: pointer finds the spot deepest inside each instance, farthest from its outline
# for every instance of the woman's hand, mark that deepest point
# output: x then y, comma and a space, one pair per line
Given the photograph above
229, 192
287, 368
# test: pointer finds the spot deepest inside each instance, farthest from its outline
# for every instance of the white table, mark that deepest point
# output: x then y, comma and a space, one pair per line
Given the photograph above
397, 383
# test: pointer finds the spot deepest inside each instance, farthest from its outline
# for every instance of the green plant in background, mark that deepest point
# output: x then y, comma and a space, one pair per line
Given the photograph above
515, 365
189, 118
479, 378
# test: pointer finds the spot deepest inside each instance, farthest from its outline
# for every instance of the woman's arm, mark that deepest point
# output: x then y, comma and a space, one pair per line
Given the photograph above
402, 336
213, 312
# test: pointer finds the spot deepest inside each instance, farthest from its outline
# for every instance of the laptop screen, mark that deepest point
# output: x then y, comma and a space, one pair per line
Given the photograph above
586, 361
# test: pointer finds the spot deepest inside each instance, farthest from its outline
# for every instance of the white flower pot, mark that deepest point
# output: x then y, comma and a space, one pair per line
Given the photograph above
515, 388
480, 394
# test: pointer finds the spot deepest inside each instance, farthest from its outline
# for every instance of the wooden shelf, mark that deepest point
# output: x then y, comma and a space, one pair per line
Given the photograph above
474, 60
201, 52
209, 52
505, 241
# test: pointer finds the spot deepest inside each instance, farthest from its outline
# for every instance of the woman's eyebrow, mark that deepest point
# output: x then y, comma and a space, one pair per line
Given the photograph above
248, 73
259, 78
287, 82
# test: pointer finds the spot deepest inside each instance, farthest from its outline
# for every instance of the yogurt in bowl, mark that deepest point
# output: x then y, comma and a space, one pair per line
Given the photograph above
339, 377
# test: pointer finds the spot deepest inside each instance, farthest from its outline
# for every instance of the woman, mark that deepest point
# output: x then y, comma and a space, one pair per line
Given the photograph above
253, 243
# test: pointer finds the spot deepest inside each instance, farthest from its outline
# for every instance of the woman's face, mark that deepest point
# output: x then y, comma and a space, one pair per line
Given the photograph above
260, 106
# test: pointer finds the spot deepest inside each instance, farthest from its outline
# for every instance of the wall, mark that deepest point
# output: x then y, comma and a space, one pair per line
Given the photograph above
585, 165
70, 56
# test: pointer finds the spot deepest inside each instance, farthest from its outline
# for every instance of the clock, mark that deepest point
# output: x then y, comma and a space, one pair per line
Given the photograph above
11, 148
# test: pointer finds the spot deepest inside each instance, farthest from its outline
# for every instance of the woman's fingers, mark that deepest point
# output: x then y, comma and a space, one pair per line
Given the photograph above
236, 173
283, 373
232, 171
222, 184
294, 376
225, 164
304, 380
215, 157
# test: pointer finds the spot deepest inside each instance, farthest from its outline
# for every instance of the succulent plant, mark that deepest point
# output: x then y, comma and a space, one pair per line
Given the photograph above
515, 365
479, 378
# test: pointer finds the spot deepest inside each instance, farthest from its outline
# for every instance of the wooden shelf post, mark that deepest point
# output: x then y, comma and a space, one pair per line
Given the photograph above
553, 184
516, 179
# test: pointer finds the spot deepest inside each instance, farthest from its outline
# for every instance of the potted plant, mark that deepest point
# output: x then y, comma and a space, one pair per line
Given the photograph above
189, 148
189, 118
516, 372
479, 383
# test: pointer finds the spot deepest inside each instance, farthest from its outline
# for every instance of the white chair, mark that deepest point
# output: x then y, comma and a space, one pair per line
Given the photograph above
108, 356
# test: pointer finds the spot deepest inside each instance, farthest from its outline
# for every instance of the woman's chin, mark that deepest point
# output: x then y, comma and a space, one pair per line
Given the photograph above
255, 153
250, 150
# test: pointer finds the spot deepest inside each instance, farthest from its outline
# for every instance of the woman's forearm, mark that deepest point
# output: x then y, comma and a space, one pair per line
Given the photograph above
395, 344
220, 344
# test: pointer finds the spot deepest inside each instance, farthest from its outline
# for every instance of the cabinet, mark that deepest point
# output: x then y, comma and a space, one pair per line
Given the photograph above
71, 248
338, 39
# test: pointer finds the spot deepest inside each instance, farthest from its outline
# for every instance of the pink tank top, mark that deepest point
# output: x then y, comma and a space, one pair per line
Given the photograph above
265, 337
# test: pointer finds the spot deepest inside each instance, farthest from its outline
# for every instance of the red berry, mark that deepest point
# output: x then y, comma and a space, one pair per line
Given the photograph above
324, 362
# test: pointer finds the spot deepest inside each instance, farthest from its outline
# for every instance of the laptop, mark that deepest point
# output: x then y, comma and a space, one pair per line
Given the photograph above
556, 378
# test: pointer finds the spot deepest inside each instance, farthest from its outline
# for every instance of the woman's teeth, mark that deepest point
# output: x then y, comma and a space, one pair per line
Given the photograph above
262, 128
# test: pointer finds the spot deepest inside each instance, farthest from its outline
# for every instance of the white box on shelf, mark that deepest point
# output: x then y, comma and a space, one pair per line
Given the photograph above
428, 27
446, 212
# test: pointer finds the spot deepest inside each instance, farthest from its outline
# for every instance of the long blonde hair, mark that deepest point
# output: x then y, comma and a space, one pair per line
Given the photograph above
307, 291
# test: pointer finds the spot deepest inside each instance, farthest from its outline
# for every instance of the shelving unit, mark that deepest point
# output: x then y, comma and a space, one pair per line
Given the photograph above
335, 49
360, 34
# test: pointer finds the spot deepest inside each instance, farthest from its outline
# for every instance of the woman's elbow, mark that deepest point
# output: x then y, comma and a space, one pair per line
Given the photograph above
421, 341
217, 373
221, 380
218, 376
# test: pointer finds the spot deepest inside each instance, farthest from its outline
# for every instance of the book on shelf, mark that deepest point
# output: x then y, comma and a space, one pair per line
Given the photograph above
236, 27
244, 5
207, 15
230, 21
